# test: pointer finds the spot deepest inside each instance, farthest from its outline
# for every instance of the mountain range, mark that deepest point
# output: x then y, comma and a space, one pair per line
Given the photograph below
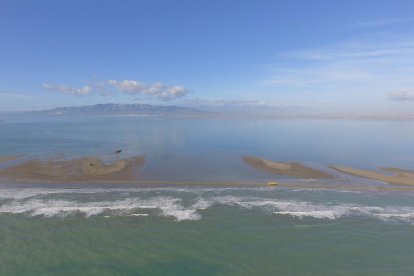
111, 109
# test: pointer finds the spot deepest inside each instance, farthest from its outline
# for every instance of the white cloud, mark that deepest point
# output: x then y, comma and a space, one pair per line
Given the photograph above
158, 90
127, 86
401, 95
86, 90
354, 51
171, 93
363, 69
383, 22
222, 102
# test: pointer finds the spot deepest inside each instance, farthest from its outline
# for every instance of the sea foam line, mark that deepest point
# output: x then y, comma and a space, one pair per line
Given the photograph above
167, 206
37, 202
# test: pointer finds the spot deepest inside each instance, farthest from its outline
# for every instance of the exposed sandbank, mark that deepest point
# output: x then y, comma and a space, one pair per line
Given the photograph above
127, 171
290, 168
82, 170
399, 177
7, 158
407, 173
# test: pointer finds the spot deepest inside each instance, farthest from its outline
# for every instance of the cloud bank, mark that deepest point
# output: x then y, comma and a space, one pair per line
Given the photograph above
132, 87
401, 95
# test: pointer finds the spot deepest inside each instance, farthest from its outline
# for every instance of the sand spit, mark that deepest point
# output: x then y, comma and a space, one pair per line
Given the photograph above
407, 173
81, 170
290, 169
7, 158
399, 177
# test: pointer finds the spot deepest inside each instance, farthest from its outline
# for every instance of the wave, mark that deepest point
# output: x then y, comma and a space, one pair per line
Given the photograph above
182, 204
314, 214
167, 206
301, 209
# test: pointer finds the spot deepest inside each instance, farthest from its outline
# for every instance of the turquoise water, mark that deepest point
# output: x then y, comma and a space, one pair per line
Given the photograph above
64, 229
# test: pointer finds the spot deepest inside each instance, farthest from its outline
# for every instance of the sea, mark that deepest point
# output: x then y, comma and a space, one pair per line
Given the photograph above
151, 229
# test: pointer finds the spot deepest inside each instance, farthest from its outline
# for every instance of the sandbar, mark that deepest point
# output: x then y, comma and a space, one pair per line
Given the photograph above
398, 177
79, 170
7, 158
292, 169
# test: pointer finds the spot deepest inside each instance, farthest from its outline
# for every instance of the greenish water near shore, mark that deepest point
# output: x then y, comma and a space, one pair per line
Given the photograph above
204, 231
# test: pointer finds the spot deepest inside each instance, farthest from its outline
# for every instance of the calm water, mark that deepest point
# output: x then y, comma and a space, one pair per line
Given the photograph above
127, 230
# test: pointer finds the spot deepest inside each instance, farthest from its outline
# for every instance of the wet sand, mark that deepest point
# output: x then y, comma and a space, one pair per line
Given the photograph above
81, 170
398, 177
407, 173
7, 158
292, 169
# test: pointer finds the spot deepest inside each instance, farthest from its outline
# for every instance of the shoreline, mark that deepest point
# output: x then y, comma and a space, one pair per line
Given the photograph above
199, 184
396, 177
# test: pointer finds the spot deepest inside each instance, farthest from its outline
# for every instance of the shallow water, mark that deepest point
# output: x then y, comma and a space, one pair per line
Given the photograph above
130, 230
211, 149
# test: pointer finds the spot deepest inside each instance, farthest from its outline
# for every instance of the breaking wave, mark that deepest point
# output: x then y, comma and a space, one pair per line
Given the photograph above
165, 206
184, 204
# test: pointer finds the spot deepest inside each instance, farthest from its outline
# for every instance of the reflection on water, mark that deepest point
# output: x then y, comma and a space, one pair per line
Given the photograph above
211, 149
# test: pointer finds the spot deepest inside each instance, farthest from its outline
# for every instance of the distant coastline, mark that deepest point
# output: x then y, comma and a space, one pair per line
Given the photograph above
146, 110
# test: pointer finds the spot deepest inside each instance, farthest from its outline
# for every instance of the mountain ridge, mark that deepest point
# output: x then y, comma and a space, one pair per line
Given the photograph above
112, 109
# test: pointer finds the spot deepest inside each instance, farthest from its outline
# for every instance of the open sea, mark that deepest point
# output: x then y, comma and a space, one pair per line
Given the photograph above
113, 229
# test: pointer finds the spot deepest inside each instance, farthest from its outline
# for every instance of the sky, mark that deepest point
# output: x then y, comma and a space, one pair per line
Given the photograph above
318, 55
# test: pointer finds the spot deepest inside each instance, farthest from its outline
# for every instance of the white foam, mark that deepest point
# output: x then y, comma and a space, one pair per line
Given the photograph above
202, 204
33, 192
22, 193
302, 209
328, 190
314, 214
129, 202
169, 207
409, 215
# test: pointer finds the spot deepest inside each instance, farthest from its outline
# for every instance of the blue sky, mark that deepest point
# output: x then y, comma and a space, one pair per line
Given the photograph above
320, 55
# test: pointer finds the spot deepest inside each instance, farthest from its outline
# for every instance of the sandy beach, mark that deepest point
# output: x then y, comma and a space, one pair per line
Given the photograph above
292, 169
398, 177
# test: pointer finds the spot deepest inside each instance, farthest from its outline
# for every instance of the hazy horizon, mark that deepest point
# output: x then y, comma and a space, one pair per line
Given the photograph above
260, 111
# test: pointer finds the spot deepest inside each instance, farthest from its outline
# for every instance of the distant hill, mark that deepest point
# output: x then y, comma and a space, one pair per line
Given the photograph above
122, 110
